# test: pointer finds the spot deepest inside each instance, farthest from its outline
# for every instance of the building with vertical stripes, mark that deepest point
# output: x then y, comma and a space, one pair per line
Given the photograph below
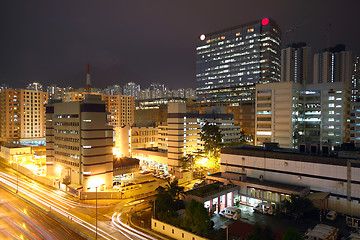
79, 144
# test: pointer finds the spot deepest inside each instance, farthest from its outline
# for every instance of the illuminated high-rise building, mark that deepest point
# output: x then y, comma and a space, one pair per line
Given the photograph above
131, 89
230, 62
333, 65
22, 114
120, 110
296, 63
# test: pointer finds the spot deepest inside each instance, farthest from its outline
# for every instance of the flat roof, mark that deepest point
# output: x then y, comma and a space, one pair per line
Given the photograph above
261, 184
209, 189
286, 154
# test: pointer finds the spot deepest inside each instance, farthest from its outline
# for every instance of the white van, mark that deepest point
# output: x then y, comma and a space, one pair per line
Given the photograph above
231, 213
264, 207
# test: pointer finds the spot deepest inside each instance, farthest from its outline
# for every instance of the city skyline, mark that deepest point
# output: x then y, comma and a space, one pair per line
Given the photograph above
142, 42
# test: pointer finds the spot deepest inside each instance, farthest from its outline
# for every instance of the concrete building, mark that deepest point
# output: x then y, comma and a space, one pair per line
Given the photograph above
218, 116
278, 113
290, 113
230, 62
120, 109
131, 89
79, 144
271, 174
327, 113
296, 63
355, 104
113, 90
55, 92
34, 86
79, 95
22, 116
333, 65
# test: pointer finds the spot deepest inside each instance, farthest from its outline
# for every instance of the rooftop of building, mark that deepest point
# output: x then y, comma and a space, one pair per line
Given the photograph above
13, 145
125, 162
289, 154
266, 183
241, 26
209, 189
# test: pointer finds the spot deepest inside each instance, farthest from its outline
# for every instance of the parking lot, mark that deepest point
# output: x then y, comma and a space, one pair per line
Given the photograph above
280, 224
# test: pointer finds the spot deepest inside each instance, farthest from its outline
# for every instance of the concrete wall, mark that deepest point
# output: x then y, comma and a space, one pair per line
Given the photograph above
173, 232
145, 189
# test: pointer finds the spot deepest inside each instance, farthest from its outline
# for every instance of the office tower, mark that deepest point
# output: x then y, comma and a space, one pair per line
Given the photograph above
296, 63
113, 90
22, 114
230, 62
333, 65
79, 143
131, 89
34, 86
120, 110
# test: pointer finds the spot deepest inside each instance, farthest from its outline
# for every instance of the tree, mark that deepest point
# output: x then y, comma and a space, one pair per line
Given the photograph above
197, 218
291, 234
175, 191
211, 135
167, 200
297, 206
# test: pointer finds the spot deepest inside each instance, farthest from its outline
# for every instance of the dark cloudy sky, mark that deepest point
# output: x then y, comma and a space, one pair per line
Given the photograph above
146, 40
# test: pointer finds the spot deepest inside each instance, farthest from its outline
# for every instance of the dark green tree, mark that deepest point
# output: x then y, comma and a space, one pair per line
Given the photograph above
188, 161
176, 192
211, 135
297, 206
291, 234
197, 218
167, 200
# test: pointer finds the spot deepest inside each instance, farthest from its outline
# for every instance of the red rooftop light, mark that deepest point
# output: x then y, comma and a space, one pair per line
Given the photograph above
265, 21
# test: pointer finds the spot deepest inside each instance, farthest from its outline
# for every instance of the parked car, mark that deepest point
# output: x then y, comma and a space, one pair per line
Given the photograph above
331, 215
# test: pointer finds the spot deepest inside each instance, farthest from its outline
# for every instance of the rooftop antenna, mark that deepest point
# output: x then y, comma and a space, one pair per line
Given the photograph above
88, 81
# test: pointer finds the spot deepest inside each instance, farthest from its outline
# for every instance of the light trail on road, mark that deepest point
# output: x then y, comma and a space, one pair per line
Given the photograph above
131, 231
56, 203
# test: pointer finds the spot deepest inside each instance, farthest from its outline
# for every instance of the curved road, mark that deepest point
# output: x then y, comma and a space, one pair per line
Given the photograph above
72, 211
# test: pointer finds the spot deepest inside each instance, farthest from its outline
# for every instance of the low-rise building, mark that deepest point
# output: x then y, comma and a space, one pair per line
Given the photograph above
271, 174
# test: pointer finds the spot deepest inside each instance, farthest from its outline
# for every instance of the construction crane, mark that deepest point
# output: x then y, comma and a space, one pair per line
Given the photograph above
291, 30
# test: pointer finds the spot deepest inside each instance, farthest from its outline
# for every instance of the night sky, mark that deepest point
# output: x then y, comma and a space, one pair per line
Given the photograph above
146, 41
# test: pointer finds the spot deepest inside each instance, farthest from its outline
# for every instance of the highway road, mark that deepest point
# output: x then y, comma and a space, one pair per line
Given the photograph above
112, 214
19, 220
